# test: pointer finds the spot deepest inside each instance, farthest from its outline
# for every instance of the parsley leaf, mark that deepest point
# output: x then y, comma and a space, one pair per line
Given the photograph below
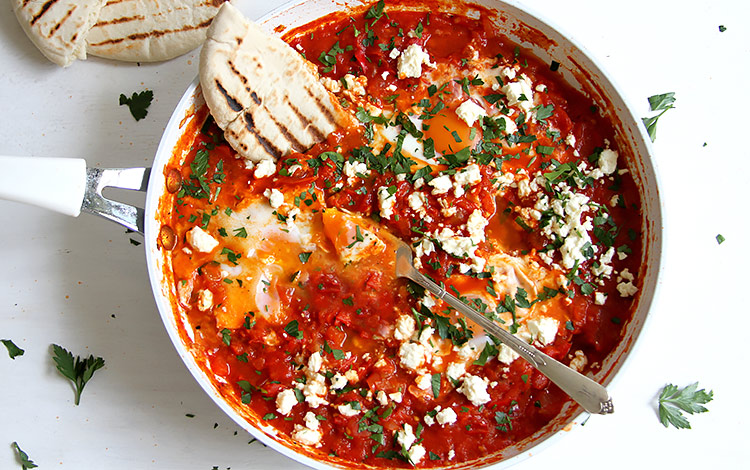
138, 103
663, 103
435, 382
688, 399
292, 329
26, 462
13, 350
77, 369
719, 239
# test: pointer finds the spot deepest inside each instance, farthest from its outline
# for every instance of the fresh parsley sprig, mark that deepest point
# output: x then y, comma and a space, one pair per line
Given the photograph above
663, 103
26, 462
138, 103
672, 401
13, 350
77, 369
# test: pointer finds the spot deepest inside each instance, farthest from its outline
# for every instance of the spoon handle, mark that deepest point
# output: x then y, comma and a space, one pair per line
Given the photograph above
592, 396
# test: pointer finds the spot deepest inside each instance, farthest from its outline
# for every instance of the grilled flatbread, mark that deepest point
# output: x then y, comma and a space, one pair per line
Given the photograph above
58, 27
150, 30
264, 95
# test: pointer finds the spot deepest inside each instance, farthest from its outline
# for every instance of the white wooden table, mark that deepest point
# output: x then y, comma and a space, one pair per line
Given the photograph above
82, 284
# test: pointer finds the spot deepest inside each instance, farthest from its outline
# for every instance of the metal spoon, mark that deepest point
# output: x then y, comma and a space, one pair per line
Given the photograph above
592, 396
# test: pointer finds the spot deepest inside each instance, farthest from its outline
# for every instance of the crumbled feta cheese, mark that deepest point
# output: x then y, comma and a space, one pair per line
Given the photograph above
200, 240
475, 389
579, 361
338, 381
466, 352
205, 300
424, 381
455, 370
386, 201
382, 398
469, 112
394, 53
416, 453
396, 396
406, 436
315, 362
285, 401
351, 375
411, 60
467, 176
510, 125
615, 199
627, 275
506, 355
315, 390
475, 225
306, 436
541, 88
508, 73
311, 422
442, 184
334, 86
264, 169
348, 410
451, 454
543, 329
405, 326
426, 335
427, 300
417, 202
355, 84
352, 168
608, 161
600, 298
519, 93
412, 355
275, 197
626, 289
446, 416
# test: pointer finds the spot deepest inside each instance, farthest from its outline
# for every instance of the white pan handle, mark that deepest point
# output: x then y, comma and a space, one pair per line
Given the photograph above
58, 184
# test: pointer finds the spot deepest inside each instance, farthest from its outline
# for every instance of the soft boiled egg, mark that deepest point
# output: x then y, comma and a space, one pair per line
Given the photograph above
450, 133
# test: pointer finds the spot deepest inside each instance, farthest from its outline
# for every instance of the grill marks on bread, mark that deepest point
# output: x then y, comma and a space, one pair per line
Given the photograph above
264, 94
150, 30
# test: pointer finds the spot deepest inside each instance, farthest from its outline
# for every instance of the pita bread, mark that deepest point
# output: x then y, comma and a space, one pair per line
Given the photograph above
58, 27
264, 95
150, 30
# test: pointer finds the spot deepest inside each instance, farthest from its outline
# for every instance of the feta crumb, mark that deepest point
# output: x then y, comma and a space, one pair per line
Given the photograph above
200, 240
506, 355
306, 436
410, 62
315, 362
405, 326
424, 381
348, 410
475, 389
386, 201
442, 184
543, 329
412, 355
510, 125
285, 401
455, 370
396, 396
416, 453
600, 298
352, 168
264, 169
446, 416
355, 84
315, 390
626, 289
469, 112
406, 436
579, 361
338, 381
311, 422
351, 375
382, 398
275, 197
519, 93
394, 53
205, 300
615, 200
451, 454
608, 161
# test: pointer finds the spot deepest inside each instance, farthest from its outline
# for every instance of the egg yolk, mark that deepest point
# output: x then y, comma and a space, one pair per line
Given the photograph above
449, 133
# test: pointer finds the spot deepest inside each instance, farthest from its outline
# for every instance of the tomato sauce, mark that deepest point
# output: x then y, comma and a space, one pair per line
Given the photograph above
347, 311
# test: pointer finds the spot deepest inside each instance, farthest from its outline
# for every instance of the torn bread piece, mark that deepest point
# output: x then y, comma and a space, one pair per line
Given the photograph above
265, 96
